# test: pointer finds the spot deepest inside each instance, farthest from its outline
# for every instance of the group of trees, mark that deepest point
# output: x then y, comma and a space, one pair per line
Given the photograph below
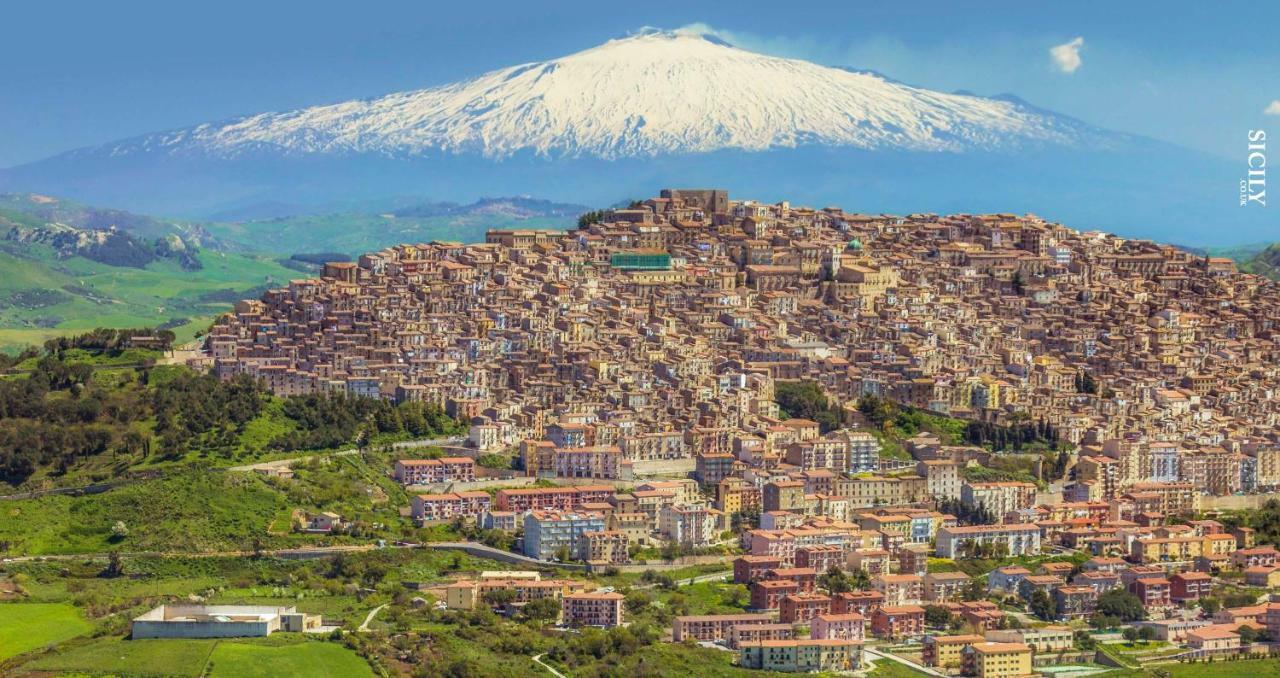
55, 416
805, 400
106, 339
908, 421
199, 411
1117, 606
334, 419
587, 218
1016, 436
1085, 382
971, 549
58, 414
966, 514
837, 580
1265, 521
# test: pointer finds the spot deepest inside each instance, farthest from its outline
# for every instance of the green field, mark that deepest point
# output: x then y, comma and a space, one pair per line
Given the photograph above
887, 668
238, 658
1256, 668
241, 660
87, 294
29, 626
131, 657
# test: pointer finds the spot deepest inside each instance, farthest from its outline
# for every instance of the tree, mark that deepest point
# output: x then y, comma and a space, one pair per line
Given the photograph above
1210, 606
937, 616
1239, 599
1042, 605
1084, 641
542, 610
563, 555
1130, 634
1248, 634
500, 597
1102, 621
835, 581
119, 531
671, 550
1122, 604
1146, 633
115, 565
637, 601
974, 591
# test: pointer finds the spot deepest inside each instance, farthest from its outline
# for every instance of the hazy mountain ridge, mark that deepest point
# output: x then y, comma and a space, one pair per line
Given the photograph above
111, 237
1265, 263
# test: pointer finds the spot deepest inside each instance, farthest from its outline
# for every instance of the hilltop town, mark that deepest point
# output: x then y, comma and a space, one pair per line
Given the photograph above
661, 332
862, 408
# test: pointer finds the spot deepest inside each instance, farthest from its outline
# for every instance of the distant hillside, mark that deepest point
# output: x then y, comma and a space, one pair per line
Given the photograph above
71, 267
45, 210
514, 208
1266, 262
356, 232
43, 294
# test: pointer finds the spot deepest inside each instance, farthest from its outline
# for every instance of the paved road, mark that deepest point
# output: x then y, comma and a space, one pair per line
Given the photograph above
428, 442
876, 654
286, 463
482, 550
372, 613
403, 445
714, 576
537, 659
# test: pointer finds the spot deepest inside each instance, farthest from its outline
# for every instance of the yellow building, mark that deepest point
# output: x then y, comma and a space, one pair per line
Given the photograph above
465, 594
997, 660
947, 651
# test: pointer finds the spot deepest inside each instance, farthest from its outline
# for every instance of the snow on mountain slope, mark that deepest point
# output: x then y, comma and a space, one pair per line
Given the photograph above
648, 94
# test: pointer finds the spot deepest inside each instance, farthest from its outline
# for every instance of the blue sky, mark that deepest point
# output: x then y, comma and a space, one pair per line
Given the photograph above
78, 73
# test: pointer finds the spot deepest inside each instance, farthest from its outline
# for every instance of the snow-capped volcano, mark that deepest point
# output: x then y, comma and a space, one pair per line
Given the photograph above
654, 92
656, 109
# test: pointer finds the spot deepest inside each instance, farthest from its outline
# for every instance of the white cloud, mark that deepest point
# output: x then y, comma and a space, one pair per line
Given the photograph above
1274, 108
1067, 55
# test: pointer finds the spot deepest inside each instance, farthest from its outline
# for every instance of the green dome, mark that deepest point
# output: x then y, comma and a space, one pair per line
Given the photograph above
854, 244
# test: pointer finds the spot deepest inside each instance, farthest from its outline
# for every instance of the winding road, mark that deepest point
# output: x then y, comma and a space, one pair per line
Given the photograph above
537, 659
372, 613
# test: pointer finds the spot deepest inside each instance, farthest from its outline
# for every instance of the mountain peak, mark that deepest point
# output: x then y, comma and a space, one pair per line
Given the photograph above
653, 92
688, 33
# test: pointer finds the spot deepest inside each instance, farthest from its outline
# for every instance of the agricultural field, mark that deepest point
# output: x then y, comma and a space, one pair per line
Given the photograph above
274, 656
30, 626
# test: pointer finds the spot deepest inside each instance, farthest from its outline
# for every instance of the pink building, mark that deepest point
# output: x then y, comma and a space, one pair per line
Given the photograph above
429, 471
848, 626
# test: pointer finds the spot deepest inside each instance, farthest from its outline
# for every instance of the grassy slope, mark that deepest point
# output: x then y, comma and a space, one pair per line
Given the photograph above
205, 509
131, 658
28, 626
241, 660
199, 511
97, 295
1265, 262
